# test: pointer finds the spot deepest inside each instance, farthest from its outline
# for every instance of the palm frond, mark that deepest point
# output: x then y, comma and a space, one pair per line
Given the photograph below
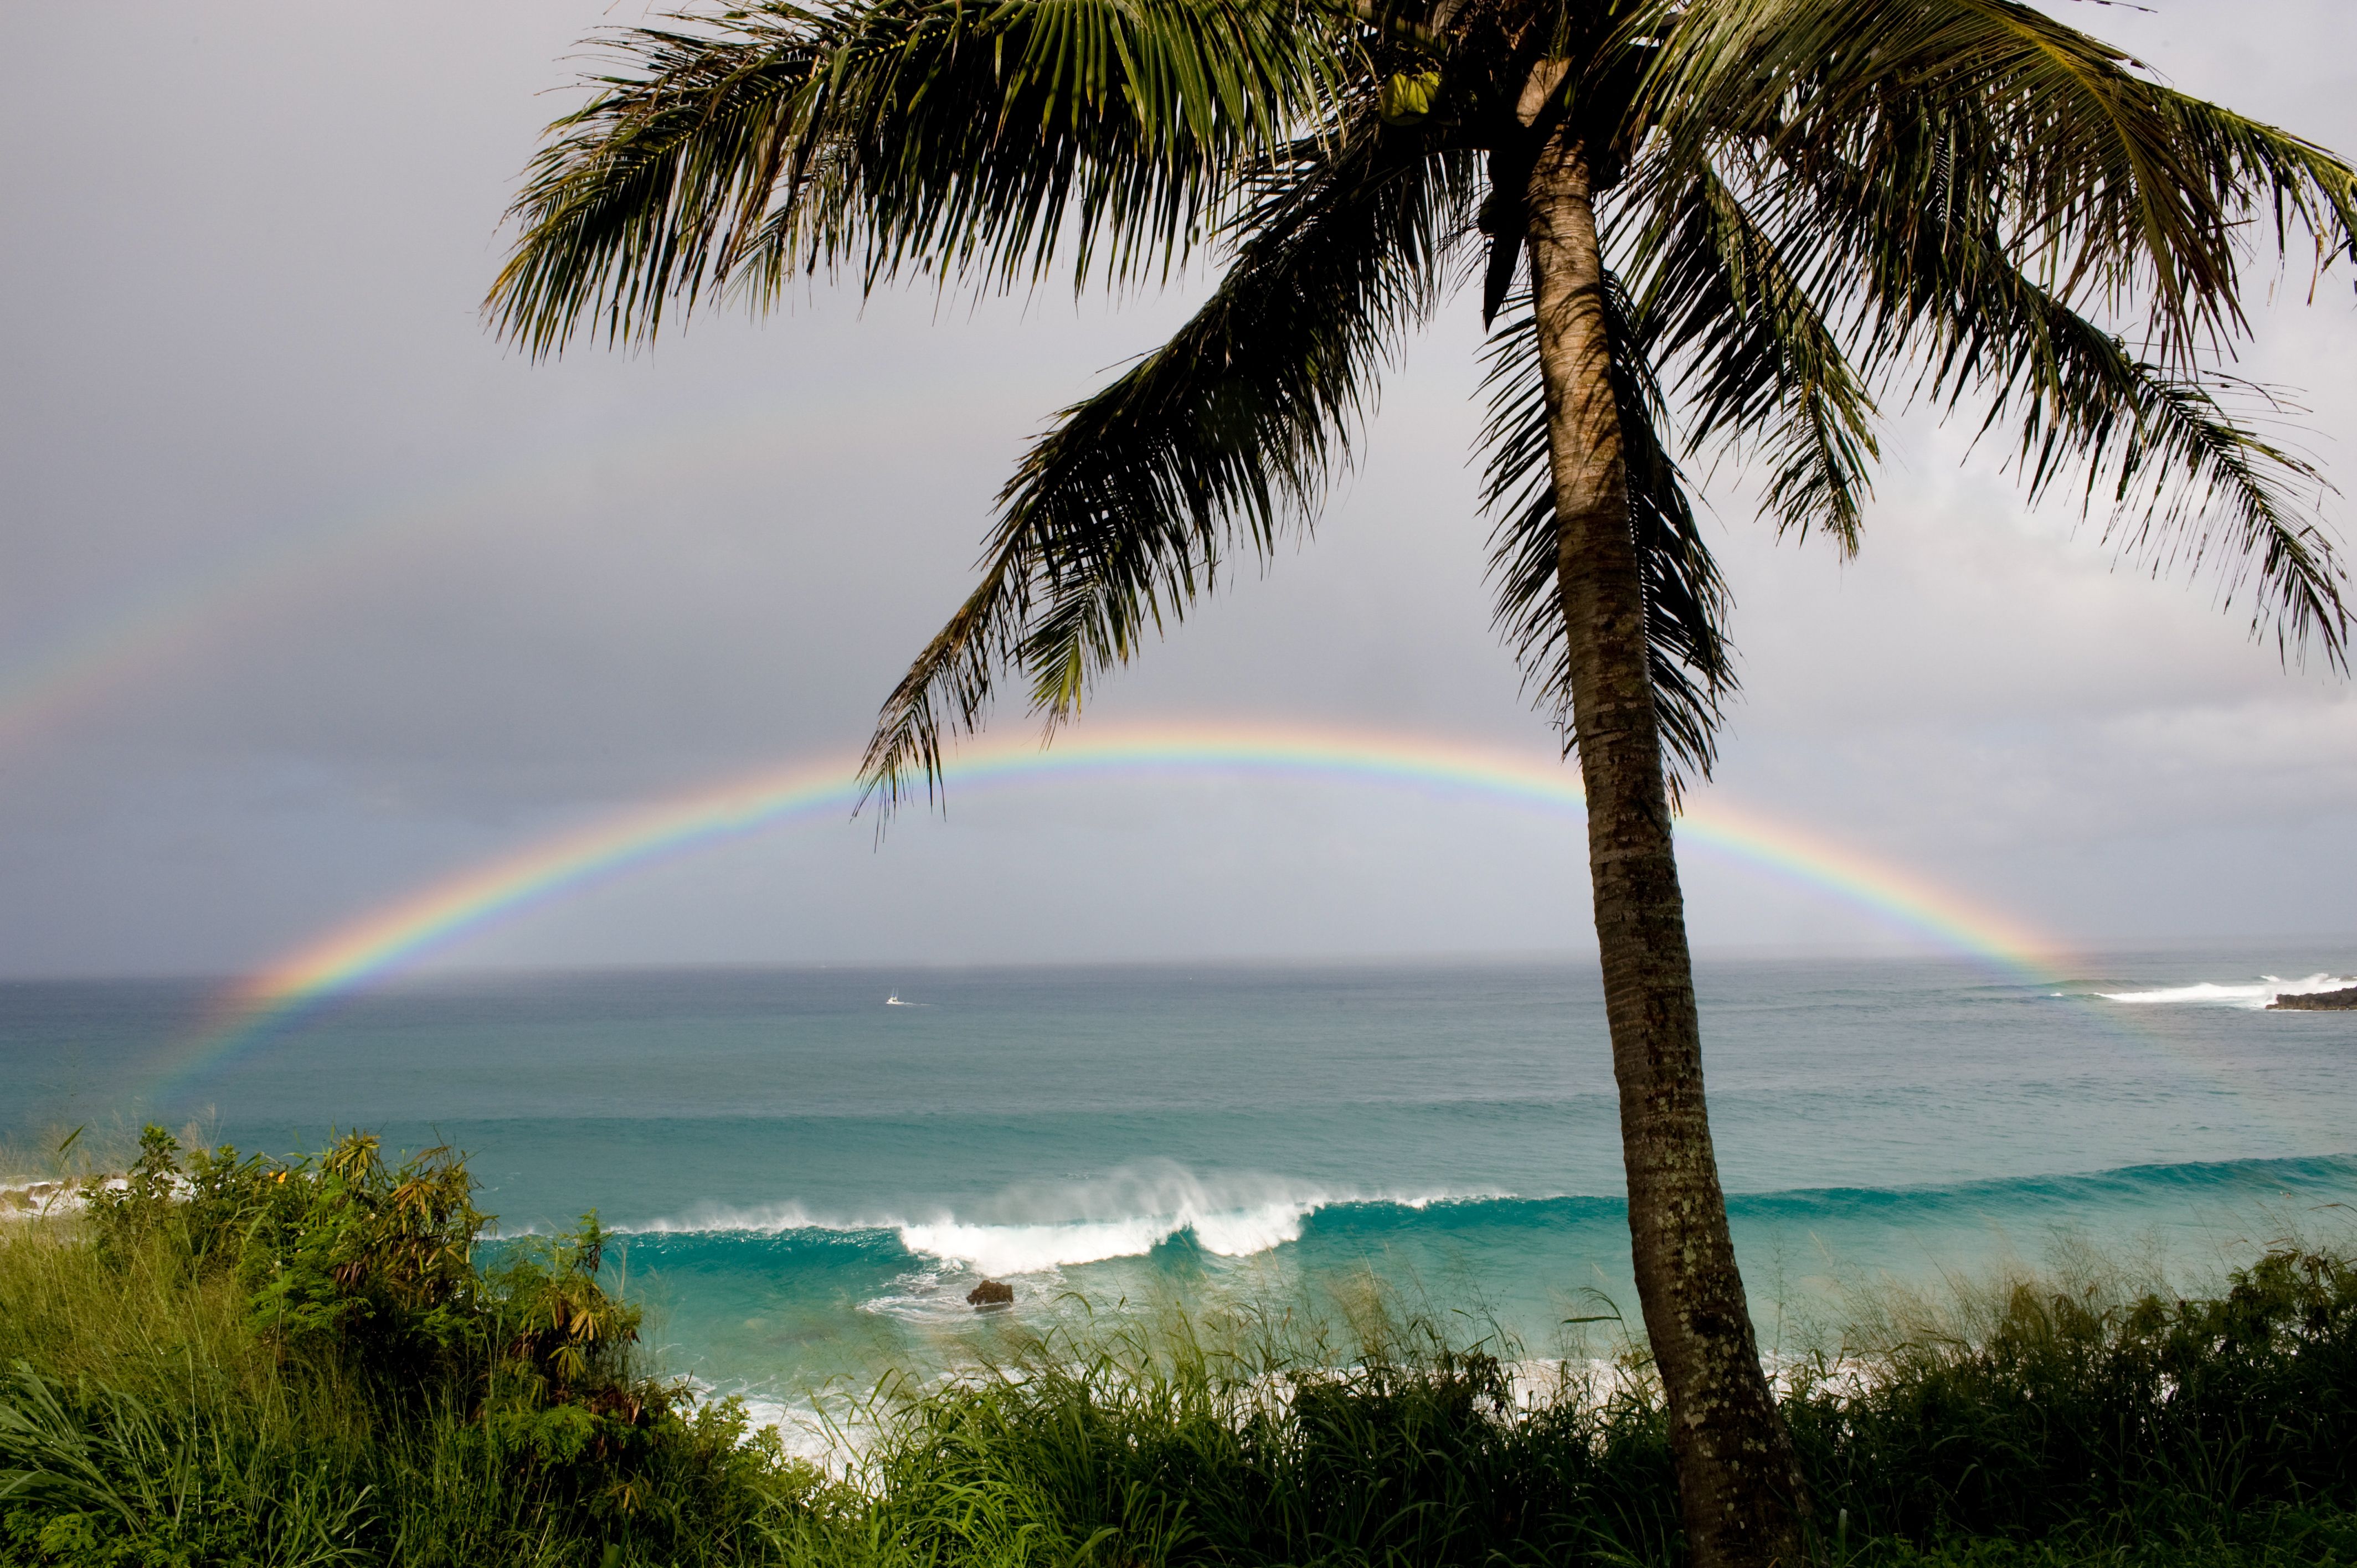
1215, 444
2181, 478
968, 137
1758, 362
2116, 194
2254, 169
1686, 601
1972, 190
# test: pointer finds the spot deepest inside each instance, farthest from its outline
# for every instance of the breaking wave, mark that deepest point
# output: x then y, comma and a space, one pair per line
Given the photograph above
1035, 1227
2253, 995
1033, 1249
1039, 1230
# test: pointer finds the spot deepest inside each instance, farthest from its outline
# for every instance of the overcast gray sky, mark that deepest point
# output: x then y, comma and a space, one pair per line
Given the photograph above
348, 597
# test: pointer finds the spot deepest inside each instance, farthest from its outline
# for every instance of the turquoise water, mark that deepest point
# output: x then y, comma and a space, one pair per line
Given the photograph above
812, 1178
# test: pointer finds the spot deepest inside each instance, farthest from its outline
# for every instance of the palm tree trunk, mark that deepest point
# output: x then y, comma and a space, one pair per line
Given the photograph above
1738, 1481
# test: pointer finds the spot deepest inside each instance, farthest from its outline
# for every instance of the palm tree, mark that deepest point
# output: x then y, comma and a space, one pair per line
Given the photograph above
1764, 215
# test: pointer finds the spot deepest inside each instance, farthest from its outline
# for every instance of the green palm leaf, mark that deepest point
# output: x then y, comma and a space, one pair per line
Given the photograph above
1686, 600
1216, 443
967, 138
1756, 360
2183, 478
2106, 186
1969, 187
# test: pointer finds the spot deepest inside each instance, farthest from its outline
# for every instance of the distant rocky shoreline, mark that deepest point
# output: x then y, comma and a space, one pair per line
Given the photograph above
2317, 1002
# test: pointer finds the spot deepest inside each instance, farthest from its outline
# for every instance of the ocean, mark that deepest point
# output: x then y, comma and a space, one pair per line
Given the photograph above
812, 1168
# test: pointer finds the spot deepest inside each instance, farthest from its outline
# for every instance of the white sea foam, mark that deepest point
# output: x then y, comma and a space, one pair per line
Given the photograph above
1125, 1213
762, 1220
1036, 1249
836, 1429
57, 1198
1034, 1228
831, 1429
2257, 994
41, 1199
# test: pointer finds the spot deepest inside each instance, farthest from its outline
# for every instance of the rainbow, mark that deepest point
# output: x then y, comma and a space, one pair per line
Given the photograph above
447, 914
147, 629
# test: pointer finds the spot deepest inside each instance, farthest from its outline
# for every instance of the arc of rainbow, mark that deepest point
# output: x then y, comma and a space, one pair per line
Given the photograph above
141, 633
447, 913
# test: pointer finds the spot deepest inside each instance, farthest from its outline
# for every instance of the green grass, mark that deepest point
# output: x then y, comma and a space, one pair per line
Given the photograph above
242, 1361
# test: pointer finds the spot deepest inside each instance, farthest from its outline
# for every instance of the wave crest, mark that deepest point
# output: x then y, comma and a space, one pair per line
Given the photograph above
2255, 995
1036, 1249
1125, 1212
1032, 1228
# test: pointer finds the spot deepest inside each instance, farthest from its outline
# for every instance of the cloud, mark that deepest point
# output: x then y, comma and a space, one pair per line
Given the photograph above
525, 595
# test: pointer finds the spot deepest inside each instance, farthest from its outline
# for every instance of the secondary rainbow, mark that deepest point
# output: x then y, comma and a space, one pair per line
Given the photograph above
149, 628
446, 914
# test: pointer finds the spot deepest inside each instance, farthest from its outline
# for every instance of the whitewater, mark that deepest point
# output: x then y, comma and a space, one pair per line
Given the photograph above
2255, 993
807, 1180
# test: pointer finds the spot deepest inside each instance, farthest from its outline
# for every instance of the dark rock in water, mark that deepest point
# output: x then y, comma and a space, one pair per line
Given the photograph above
2317, 1002
991, 1292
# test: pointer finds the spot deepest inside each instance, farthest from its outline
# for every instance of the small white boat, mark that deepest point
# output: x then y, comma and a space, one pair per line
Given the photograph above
894, 1000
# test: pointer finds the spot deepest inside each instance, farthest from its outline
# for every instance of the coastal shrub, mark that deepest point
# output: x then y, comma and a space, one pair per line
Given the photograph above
236, 1360
338, 1258
2065, 1408
1396, 1450
241, 1360
2159, 1431
97, 1475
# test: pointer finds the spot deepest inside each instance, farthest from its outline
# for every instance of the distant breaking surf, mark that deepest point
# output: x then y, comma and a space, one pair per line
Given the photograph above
2253, 995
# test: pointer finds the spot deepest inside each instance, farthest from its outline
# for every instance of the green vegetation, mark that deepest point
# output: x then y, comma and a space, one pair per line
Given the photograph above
239, 1360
